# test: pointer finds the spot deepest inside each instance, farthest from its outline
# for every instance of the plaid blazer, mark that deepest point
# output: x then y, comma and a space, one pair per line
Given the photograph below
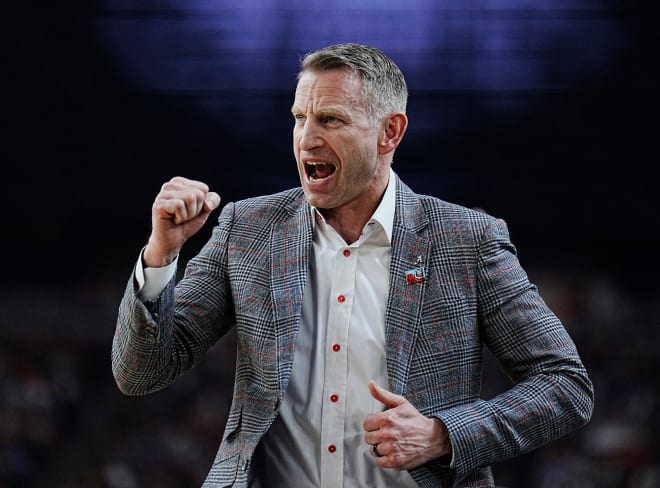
251, 275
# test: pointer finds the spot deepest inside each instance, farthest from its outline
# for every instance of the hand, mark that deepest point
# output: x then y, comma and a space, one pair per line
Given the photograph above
404, 437
179, 211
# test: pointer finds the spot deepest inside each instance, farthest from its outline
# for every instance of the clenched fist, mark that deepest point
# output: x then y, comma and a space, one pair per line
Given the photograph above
179, 211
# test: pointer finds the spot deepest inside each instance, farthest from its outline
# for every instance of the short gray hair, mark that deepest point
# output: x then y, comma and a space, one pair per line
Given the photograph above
384, 86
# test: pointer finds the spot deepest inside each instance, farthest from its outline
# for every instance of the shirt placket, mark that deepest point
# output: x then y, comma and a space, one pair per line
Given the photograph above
342, 292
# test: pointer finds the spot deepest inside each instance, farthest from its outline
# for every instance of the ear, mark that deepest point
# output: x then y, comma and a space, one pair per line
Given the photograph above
392, 130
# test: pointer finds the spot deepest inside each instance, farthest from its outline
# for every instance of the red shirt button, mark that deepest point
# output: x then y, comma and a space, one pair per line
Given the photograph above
332, 448
334, 398
336, 347
347, 252
341, 298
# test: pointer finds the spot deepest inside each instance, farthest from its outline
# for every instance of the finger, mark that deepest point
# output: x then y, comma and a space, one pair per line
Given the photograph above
212, 201
184, 211
371, 425
181, 182
179, 207
384, 396
384, 449
184, 204
372, 437
376, 450
167, 207
185, 188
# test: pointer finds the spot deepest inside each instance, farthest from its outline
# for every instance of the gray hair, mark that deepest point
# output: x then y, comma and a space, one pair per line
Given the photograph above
384, 86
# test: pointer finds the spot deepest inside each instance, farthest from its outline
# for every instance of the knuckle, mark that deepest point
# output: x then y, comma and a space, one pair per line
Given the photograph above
387, 420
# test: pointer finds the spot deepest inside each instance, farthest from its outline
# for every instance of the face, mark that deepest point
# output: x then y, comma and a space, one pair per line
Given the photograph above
335, 143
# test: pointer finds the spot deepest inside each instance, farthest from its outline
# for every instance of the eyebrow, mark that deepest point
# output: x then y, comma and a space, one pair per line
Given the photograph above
334, 111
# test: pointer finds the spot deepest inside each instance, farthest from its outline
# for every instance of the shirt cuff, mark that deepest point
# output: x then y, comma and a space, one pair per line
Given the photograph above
152, 281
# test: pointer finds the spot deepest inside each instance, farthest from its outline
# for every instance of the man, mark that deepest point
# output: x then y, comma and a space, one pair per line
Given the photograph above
361, 310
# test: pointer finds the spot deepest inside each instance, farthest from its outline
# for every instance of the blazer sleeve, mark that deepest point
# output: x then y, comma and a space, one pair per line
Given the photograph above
157, 341
551, 393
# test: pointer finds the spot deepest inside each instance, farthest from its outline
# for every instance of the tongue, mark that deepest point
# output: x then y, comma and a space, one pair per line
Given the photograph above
323, 170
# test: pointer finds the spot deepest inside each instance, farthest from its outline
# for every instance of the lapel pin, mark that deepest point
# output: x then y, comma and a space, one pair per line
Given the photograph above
418, 274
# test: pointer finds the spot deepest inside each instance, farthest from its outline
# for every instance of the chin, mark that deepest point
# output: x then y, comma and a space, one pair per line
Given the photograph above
317, 201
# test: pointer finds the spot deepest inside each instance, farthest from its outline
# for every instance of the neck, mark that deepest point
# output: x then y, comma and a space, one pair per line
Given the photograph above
349, 220
350, 229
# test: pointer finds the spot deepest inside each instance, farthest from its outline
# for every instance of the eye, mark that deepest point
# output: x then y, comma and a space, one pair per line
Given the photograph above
331, 120
299, 119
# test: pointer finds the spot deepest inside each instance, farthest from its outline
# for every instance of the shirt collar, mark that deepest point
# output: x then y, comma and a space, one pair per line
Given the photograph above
384, 213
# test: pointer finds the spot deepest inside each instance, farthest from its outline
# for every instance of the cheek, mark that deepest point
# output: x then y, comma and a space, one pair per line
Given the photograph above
296, 133
295, 144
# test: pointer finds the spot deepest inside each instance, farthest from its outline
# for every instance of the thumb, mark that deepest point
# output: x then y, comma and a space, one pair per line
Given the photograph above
384, 396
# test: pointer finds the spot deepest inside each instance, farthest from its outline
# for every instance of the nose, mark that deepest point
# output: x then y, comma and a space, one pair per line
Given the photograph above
309, 135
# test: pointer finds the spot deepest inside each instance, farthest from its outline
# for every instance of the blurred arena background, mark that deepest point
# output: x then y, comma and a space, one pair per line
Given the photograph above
542, 113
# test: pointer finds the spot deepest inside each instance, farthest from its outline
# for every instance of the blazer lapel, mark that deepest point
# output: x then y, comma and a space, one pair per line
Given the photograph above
290, 249
410, 252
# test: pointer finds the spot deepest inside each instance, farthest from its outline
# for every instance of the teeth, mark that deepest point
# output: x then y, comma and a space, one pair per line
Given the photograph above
311, 170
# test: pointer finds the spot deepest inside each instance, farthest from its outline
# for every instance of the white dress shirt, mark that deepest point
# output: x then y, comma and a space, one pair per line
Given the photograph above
317, 440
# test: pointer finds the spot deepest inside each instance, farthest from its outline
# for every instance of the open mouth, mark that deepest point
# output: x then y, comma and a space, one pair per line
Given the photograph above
317, 171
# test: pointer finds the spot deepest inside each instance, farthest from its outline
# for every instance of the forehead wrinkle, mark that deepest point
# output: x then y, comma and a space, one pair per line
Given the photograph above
345, 108
324, 96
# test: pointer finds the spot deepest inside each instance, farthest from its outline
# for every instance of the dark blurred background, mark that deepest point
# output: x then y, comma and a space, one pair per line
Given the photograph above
542, 113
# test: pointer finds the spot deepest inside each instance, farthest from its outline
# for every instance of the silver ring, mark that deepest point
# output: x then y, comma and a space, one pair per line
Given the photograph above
374, 450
